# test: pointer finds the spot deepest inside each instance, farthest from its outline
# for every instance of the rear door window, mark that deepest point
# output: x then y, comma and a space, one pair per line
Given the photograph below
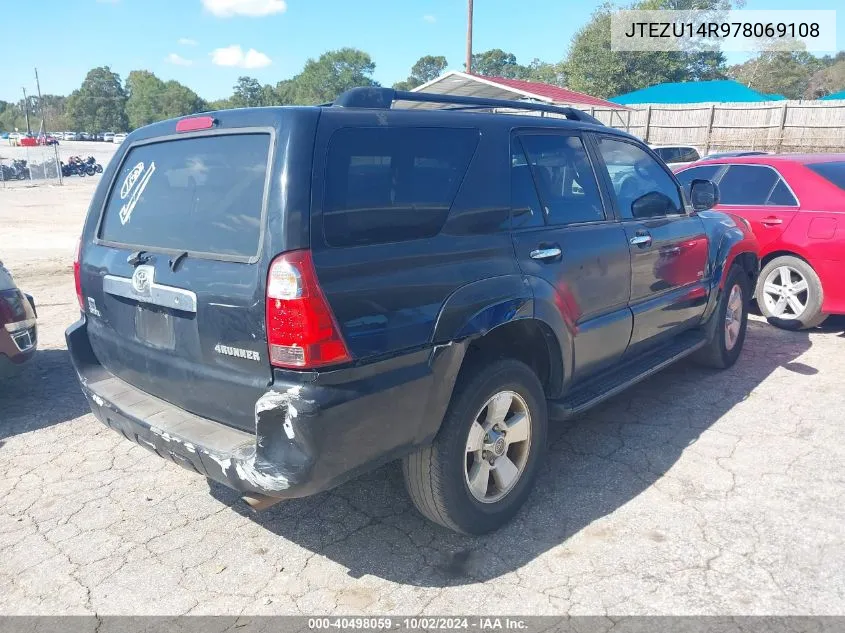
564, 178
392, 184
781, 196
747, 185
201, 194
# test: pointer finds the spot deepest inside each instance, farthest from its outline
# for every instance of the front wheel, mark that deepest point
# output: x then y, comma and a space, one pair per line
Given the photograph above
728, 335
482, 465
790, 295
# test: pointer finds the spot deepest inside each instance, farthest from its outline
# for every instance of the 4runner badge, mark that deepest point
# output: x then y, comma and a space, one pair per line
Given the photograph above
237, 352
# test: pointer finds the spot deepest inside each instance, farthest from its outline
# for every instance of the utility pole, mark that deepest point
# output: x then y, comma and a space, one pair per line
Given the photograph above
26, 111
43, 129
469, 37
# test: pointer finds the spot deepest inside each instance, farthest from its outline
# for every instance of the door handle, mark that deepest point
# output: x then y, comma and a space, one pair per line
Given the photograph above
771, 221
641, 240
545, 253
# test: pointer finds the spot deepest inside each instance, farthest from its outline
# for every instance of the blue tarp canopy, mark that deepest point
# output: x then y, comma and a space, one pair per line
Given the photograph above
723, 90
835, 95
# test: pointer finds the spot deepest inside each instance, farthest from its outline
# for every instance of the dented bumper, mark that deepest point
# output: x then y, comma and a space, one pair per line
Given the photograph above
309, 436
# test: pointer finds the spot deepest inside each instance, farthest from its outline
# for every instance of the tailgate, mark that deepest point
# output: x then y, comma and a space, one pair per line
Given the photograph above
172, 277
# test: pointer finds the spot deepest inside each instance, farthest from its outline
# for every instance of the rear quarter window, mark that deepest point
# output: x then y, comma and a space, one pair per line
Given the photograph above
392, 184
202, 194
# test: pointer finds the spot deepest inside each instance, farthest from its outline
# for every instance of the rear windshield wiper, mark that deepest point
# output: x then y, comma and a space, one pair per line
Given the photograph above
174, 261
138, 257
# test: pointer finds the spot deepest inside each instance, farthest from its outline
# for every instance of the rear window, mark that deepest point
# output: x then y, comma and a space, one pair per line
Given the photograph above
202, 194
392, 184
833, 171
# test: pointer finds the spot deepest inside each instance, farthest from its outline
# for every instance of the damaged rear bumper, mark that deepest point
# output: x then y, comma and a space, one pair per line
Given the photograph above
309, 436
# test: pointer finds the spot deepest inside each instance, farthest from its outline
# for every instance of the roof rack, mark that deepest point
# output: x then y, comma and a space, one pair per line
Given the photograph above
383, 99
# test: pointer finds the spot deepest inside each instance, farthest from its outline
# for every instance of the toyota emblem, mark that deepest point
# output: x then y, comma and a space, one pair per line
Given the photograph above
142, 278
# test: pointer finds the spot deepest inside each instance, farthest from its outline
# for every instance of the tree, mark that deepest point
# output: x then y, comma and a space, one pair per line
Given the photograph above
150, 99
143, 103
177, 100
546, 73
827, 81
248, 93
99, 103
778, 72
497, 63
424, 70
594, 68
428, 67
323, 79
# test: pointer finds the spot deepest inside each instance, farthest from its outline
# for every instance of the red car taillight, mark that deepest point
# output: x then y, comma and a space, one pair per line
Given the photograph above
301, 329
76, 275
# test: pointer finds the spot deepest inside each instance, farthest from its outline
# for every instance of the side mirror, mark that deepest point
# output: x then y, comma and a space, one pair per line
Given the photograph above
651, 205
704, 194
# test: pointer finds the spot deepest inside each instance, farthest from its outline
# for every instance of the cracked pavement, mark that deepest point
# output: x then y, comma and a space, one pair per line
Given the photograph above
697, 492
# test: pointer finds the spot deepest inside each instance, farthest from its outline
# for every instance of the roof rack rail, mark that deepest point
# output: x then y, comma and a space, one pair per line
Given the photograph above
383, 99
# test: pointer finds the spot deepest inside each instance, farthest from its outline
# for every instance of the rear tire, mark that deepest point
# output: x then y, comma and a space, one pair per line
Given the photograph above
731, 316
497, 413
790, 279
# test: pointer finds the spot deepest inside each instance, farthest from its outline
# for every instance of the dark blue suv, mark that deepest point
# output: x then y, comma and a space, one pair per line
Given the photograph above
282, 298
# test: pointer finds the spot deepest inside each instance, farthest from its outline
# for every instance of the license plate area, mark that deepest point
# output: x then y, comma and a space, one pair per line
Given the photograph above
154, 326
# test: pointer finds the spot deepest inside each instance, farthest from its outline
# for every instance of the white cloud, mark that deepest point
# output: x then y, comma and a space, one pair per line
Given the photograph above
187, 41
234, 55
251, 8
430, 19
178, 60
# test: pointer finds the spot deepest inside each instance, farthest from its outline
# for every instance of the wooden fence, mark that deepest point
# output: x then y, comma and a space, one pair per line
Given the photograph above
772, 126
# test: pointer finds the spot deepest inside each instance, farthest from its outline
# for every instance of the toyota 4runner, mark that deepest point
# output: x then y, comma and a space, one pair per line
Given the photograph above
282, 298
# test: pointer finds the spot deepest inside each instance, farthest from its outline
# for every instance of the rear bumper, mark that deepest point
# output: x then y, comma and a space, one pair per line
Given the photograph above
309, 436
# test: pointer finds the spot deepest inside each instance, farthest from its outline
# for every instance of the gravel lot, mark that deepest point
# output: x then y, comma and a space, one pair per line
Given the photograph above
695, 493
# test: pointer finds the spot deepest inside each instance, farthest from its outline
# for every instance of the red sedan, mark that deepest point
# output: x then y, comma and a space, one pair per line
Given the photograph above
796, 207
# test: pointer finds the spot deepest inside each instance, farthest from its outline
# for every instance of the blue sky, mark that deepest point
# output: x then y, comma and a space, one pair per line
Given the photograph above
176, 39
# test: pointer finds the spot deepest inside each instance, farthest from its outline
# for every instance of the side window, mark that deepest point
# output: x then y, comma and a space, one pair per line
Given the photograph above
392, 184
781, 196
641, 185
667, 154
705, 172
688, 155
564, 178
526, 210
746, 185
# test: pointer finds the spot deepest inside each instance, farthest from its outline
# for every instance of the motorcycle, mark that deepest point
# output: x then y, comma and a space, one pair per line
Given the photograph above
78, 167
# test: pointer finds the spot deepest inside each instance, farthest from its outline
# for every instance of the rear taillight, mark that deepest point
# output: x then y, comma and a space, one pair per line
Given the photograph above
76, 276
301, 329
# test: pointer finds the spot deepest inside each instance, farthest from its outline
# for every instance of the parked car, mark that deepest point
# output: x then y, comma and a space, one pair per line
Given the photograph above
48, 139
676, 154
108, 137
796, 207
71, 136
119, 138
429, 285
736, 153
18, 330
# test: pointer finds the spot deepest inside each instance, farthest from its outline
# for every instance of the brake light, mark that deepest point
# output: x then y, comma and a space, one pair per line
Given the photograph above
195, 123
76, 274
301, 329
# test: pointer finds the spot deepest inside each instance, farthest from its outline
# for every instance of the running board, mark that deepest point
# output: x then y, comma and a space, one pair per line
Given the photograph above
609, 383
